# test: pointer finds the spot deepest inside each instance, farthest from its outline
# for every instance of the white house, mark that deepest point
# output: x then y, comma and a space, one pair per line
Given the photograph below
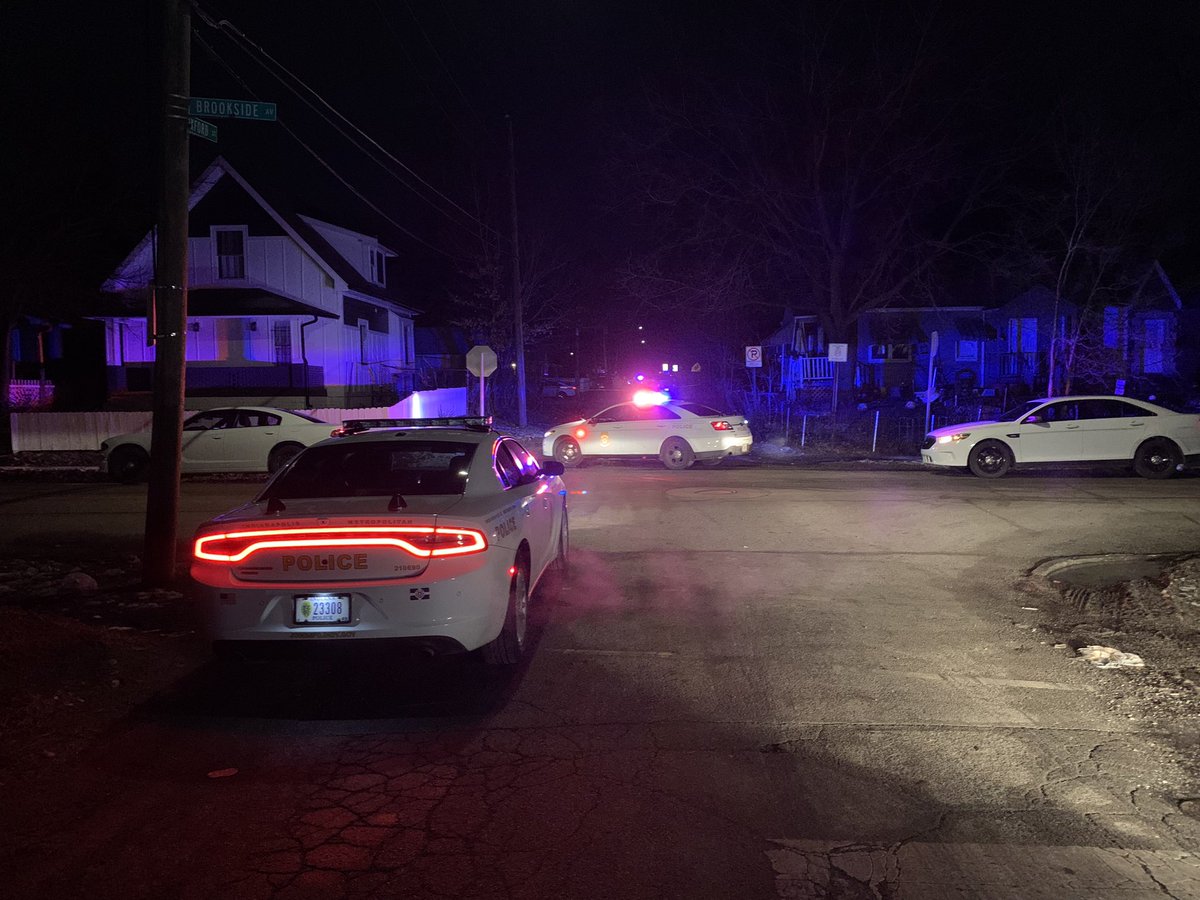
283, 309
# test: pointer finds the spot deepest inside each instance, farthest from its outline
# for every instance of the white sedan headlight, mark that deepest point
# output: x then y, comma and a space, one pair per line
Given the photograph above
953, 438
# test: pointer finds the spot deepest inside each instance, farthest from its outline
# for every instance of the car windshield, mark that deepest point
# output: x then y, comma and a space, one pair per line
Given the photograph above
1011, 415
376, 469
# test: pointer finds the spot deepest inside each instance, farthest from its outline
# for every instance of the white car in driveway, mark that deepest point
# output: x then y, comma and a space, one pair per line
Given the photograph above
1092, 429
235, 439
431, 533
678, 432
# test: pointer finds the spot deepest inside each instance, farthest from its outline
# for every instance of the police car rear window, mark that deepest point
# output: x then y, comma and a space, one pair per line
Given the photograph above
699, 409
377, 469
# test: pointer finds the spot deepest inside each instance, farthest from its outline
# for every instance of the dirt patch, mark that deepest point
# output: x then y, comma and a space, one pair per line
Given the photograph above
1157, 618
82, 646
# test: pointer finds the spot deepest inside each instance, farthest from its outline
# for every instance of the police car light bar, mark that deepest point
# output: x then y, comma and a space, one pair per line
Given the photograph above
473, 423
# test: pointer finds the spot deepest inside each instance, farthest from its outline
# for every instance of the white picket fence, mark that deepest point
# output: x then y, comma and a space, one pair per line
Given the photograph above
85, 430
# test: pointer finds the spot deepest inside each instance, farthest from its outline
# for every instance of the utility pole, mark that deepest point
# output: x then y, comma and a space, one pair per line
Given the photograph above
169, 297
518, 313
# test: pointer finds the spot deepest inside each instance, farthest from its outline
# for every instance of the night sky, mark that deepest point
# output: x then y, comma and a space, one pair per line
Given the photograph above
433, 82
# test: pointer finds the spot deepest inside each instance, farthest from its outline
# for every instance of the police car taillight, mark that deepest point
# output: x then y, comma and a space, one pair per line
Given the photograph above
721, 425
420, 541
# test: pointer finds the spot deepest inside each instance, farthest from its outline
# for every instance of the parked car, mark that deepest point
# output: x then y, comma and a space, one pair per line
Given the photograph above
560, 388
236, 439
431, 533
678, 432
1157, 441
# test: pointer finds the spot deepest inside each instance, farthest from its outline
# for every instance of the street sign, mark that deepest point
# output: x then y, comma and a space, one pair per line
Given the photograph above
754, 357
481, 361
838, 352
231, 109
203, 129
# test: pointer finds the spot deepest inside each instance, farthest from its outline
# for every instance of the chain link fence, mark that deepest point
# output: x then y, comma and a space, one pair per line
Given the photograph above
884, 428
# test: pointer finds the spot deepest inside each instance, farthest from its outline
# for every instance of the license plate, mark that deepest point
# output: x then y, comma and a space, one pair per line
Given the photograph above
322, 609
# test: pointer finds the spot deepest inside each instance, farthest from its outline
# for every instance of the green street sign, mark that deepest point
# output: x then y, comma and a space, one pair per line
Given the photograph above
203, 129
231, 109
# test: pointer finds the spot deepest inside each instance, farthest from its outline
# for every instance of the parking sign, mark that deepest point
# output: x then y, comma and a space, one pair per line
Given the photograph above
754, 357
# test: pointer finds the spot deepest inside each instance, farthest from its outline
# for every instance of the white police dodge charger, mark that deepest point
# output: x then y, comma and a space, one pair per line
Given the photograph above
428, 532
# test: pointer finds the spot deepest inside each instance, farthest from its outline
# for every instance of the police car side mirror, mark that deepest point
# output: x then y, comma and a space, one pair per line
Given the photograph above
552, 467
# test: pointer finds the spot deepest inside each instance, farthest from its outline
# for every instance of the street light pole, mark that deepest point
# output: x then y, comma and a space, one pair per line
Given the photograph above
518, 312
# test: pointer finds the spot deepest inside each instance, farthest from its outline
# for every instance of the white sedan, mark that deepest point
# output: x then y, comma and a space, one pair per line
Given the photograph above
1157, 441
678, 432
430, 533
238, 439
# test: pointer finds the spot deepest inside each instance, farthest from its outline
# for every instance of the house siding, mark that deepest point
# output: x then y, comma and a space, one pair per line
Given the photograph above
274, 261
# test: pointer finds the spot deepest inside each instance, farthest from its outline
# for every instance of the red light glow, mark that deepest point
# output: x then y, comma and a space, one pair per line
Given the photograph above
420, 541
580, 432
721, 426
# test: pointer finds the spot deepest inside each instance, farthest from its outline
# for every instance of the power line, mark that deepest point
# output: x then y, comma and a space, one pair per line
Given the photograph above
329, 168
433, 94
442, 63
246, 45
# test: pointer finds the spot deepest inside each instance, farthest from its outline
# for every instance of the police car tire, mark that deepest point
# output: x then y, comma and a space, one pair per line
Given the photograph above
676, 453
128, 464
281, 455
509, 644
569, 460
1157, 458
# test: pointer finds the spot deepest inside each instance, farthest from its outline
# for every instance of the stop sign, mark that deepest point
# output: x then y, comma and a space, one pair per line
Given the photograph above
481, 360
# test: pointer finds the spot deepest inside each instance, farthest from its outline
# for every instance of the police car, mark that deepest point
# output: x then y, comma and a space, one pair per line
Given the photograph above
427, 532
678, 432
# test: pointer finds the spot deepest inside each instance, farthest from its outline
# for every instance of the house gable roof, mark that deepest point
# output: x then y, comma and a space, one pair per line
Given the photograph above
267, 219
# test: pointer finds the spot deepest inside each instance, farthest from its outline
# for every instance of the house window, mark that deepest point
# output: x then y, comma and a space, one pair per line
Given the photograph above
889, 353
363, 343
1022, 335
377, 259
1116, 321
231, 252
1155, 346
966, 351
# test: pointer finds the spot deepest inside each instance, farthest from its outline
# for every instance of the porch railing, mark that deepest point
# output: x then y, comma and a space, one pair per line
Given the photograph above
804, 369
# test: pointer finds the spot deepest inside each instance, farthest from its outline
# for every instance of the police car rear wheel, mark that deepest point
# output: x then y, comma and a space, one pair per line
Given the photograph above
675, 453
281, 456
508, 646
128, 464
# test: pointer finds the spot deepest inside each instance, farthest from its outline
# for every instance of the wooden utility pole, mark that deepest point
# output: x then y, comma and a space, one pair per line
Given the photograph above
518, 312
169, 322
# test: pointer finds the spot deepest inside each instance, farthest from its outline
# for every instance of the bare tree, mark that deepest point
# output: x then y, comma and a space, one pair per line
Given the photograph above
1080, 234
834, 183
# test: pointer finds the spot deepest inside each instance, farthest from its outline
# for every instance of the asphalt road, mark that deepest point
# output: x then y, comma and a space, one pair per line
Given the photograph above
758, 683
